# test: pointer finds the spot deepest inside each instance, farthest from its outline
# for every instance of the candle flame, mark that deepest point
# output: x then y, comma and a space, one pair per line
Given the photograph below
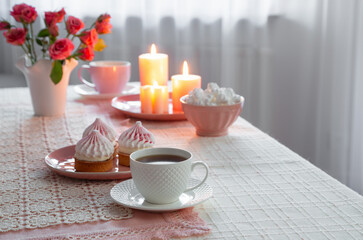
155, 84
185, 68
153, 49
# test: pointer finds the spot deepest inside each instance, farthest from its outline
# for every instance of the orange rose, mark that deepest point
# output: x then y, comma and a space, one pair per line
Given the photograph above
103, 25
89, 37
16, 36
74, 24
87, 54
61, 49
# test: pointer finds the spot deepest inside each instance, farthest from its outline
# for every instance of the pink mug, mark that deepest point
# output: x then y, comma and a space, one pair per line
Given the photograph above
107, 76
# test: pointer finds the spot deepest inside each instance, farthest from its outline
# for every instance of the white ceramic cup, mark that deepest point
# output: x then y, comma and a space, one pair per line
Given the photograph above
162, 183
107, 76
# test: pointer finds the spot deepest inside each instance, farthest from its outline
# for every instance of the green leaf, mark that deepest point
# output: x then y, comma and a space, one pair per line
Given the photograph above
57, 72
43, 33
40, 43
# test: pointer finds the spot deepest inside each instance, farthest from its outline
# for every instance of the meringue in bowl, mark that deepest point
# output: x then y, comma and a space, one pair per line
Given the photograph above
211, 112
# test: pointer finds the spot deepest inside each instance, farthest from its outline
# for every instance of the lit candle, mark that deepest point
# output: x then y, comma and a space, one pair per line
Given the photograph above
146, 95
154, 99
160, 99
182, 84
153, 67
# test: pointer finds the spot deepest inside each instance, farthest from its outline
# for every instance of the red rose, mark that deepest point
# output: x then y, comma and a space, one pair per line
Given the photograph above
16, 36
89, 37
87, 54
53, 30
61, 49
74, 25
49, 18
24, 13
103, 25
52, 18
4, 25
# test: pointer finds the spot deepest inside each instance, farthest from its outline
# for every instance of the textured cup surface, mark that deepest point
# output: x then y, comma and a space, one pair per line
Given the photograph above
161, 183
212, 121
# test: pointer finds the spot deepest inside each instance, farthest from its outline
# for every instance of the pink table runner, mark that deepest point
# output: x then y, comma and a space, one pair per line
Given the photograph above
37, 203
143, 225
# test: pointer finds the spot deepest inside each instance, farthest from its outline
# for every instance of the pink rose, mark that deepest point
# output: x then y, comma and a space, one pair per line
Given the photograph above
103, 25
4, 25
87, 54
53, 30
52, 18
74, 24
61, 49
24, 13
89, 37
16, 36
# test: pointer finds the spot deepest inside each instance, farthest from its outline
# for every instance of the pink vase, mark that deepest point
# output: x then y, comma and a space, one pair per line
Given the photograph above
48, 99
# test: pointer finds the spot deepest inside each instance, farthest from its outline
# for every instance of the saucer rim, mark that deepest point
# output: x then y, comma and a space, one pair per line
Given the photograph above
159, 207
78, 89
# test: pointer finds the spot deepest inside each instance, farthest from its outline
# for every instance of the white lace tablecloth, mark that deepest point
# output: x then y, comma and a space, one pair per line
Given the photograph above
261, 189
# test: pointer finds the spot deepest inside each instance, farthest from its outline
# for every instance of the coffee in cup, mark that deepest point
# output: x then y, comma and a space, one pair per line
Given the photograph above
161, 175
107, 76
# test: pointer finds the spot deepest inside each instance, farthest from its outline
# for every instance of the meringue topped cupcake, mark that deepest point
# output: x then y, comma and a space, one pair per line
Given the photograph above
105, 130
135, 138
94, 153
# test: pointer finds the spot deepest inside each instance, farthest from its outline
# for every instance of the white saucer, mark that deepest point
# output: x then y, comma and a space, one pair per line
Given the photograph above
126, 194
88, 92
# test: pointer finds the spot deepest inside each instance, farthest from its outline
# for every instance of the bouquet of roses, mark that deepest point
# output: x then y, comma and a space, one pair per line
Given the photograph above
51, 46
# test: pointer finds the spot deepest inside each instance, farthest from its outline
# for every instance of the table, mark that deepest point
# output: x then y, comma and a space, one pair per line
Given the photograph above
261, 189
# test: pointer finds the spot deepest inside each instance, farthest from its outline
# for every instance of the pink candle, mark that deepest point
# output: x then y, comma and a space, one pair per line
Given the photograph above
146, 94
160, 99
153, 67
154, 99
182, 84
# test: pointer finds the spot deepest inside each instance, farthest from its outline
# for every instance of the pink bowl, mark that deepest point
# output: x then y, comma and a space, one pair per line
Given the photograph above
211, 121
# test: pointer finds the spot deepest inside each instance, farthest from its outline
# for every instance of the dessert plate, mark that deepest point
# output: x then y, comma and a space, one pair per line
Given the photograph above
130, 105
126, 194
61, 161
88, 92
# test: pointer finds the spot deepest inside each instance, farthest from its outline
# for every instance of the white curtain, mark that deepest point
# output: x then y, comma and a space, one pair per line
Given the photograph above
299, 64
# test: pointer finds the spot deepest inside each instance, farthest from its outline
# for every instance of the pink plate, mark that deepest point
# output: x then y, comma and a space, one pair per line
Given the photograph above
130, 106
61, 161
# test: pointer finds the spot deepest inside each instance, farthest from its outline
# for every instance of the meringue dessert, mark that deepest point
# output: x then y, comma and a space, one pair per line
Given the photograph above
105, 130
135, 138
94, 153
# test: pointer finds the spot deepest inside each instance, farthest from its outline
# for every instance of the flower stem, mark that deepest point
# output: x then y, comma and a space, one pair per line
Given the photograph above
27, 53
28, 43
24, 49
32, 42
